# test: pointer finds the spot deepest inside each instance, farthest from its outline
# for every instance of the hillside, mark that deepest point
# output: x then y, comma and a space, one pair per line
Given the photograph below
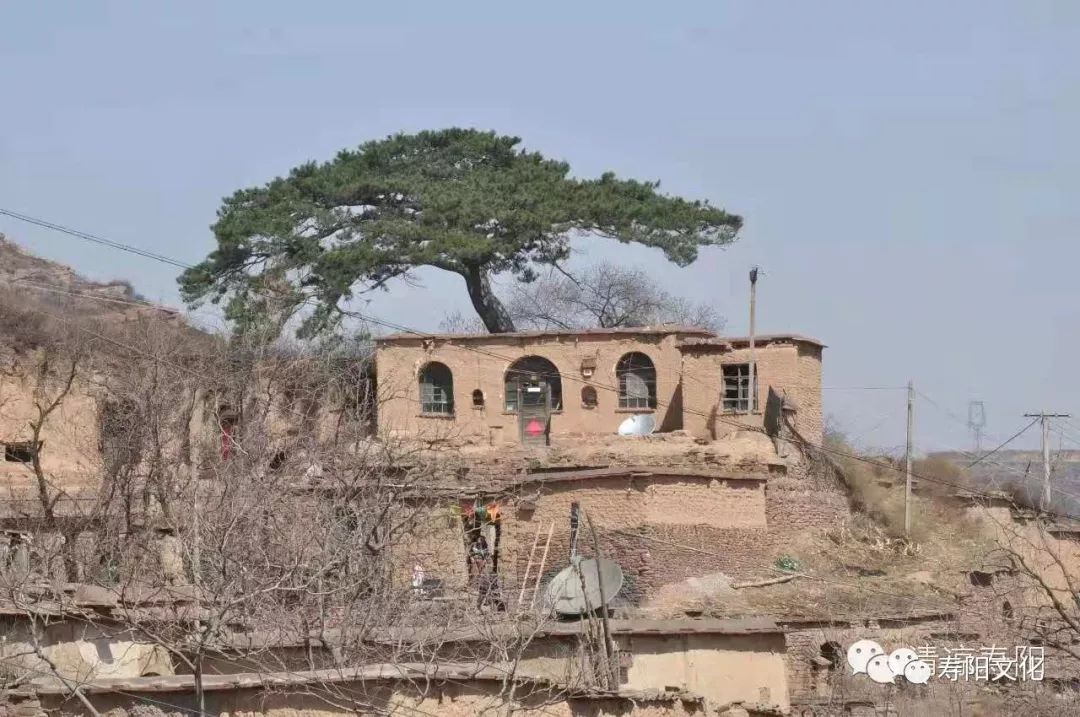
1021, 473
40, 298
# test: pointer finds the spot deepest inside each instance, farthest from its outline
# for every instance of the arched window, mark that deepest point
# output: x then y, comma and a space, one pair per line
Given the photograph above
529, 378
588, 397
477, 398
436, 389
637, 381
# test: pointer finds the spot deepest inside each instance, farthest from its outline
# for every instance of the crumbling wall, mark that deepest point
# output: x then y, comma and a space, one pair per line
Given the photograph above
69, 454
79, 650
792, 508
660, 528
816, 657
435, 543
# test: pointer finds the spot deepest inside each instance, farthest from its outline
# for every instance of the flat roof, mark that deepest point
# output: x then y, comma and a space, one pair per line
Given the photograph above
659, 329
744, 341
470, 633
405, 672
559, 476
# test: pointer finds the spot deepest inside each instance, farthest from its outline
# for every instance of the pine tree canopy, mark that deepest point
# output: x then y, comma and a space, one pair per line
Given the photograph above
470, 202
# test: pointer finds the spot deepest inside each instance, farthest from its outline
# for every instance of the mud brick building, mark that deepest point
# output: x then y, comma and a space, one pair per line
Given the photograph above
544, 386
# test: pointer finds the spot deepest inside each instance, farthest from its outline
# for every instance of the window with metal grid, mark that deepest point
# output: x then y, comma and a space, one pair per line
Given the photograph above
637, 381
436, 389
737, 392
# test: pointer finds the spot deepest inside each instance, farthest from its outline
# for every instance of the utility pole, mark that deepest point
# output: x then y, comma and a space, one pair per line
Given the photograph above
1044, 420
753, 314
907, 456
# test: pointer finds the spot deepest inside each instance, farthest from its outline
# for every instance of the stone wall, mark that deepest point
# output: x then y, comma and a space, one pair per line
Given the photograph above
816, 672
792, 509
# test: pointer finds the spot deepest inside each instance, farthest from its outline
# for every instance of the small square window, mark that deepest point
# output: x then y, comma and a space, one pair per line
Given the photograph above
737, 394
21, 452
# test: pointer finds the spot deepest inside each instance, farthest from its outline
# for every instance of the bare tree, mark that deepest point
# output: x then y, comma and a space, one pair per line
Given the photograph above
605, 295
245, 508
602, 296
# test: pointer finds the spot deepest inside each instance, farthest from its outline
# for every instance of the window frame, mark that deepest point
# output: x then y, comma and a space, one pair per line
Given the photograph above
745, 400
521, 366
14, 451
625, 367
431, 403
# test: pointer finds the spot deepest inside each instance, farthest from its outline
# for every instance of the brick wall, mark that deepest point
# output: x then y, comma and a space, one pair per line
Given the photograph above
807, 679
791, 511
661, 529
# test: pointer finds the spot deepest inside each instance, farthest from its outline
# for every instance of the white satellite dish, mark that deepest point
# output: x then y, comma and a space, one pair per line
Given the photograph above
576, 589
640, 424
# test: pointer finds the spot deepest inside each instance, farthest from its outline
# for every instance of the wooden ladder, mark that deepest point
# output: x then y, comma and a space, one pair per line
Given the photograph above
529, 566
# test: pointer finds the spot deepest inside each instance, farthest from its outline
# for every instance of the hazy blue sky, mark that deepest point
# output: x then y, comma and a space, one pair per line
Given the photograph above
909, 172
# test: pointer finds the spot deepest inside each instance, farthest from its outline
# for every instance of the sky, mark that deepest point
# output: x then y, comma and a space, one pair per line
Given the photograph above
909, 173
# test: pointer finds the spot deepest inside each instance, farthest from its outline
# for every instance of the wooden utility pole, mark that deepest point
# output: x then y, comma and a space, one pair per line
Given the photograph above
1044, 421
907, 456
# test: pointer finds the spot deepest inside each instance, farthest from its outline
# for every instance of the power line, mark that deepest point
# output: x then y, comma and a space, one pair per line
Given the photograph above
95, 239
864, 388
421, 334
1007, 441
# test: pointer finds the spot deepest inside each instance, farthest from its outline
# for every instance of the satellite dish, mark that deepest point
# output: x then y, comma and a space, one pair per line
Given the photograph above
640, 424
575, 590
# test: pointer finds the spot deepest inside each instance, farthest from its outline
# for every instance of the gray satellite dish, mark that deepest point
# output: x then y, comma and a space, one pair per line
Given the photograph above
641, 424
567, 595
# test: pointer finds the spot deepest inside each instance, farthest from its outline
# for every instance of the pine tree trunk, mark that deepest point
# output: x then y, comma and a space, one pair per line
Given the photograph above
491, 311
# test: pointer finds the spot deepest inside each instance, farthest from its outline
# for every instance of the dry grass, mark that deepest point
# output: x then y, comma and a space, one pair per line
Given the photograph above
867, 565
